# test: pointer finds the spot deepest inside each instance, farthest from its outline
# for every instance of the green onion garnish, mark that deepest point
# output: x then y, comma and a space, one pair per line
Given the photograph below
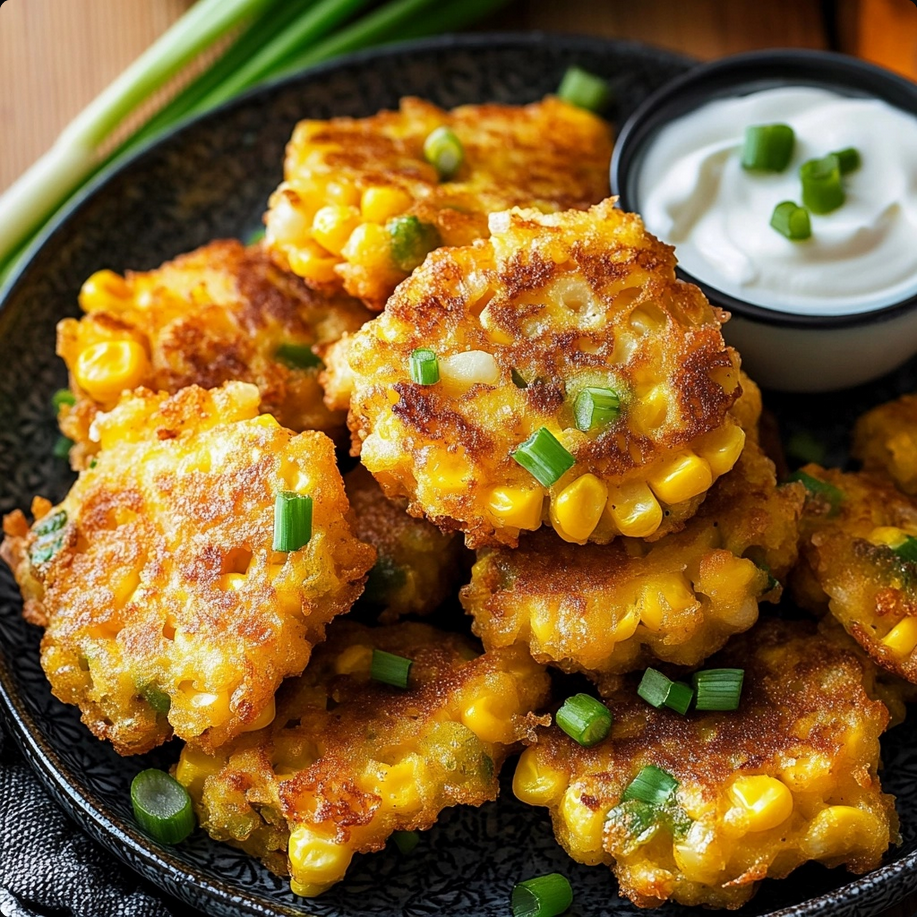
822, 189
390, 669
156, 698
544, 457
659, 691
544, 896
412, 241
718, 689
907, 550
768, 147
405, 841
596, 407
517, 378
383, 580
848, 159
444, 151
652, 785
61, 397
424, 367
828, 492
298, 356
255, 236
792, 221
162, 806
50, 524
804, 446
62, 447
292, 521
49, 537
584, 719
584, 89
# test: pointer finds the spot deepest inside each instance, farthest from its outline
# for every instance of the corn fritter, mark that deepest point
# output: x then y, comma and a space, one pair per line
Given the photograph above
885, 441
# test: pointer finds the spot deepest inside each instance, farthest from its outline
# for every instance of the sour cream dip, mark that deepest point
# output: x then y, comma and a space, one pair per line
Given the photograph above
694, 194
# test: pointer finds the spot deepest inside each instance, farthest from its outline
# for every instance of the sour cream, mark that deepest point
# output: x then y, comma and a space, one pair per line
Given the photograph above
694, 194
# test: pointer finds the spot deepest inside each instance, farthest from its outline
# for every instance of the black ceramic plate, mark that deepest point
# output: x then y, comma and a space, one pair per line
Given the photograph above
212, 179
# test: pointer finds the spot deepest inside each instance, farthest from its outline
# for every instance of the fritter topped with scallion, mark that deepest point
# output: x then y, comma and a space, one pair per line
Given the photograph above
885, 441
363, 201
348, 760
164, 605
726, 799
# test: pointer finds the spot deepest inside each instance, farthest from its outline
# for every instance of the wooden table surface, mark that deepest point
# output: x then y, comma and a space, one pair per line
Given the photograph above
56, 55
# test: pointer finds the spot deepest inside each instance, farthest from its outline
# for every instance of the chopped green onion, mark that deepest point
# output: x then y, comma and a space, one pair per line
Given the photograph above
907, 550
804, 446
544, 457
584, 719
834, 496
61, 397
652, 785
768, 147
406, 841
292, 521
255, 236
390, 669
50, 524
822, 189
424, 367
444, 151
718, 689
544, 896
156, 698
383, 580
596, 407
298, 356
772, 581
680, 697
93, 462
517, 378
792, 221
659, 691
584, 89
162, 806
412, 241
848, 159
62, 447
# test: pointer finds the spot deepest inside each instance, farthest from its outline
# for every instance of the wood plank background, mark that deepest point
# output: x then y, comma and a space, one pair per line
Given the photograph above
56, 55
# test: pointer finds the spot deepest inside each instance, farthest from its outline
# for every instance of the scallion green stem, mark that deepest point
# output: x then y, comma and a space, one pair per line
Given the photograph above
584, 719
390, 669
162, 806
543, 896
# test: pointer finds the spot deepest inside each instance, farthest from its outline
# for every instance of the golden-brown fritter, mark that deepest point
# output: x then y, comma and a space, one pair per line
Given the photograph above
855, 562
608, 609
417, 566
164, 605
522, 325
360, 206
222, 313
885, 441
348, 760
788, 777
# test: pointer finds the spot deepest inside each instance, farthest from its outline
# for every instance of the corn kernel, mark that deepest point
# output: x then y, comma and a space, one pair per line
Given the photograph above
263, 719
104, 290
313, 263
489, 716
650, 408
838, 831
370, 246
232, 582
287, 222
721, 448
447, 472
888, 535
634, 509
379, 205
333, 226
664, 596
400, 785
309, 889
765, 800
576, 510
213, 705
316, 860
106, 369
534, 782
699, 857
585, 825
342, 192
265, 420
355, 659
680, 477
473, 367
194, 767
902, 638
519, 507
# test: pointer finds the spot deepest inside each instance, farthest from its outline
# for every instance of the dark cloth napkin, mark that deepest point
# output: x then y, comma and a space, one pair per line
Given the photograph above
49, 868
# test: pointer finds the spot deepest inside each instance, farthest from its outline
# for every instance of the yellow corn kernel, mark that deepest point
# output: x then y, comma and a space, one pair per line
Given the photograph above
316, 860
213, 705
496, 334
489, 716
370, 246
288, 221
634, 509
721, 448
355, 659
263, 719
106, 369
765, 800
576, 510
535, 783
888, 535
266, 420
664, 596
194, 767
232, 582
699, 856
902, 638
341, 192
309, 889
447, 472
400, 785
313, 263
381, 204
585, 826
650, 408
840, 830
680, 477
104, 290
333, 226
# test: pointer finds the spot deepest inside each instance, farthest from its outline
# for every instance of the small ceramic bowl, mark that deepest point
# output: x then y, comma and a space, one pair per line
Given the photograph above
783, 350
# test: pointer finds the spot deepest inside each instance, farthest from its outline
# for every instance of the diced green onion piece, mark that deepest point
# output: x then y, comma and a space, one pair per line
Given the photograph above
804, 446
792, 221
292, 521
828, 492
584, 719
383, 580
49, 537
544, 896
62, 447
405, 841
255, 236
680, 697
517, 378
584, 89
822, 189
424, 367
298, 356
412, 241
768, 147
848, 159
162, 806
596, 407
390, 669
652, 785
659, 691
51, 523
718, 689
156, 698
444, 151
907, 550
61, 397
544, 457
